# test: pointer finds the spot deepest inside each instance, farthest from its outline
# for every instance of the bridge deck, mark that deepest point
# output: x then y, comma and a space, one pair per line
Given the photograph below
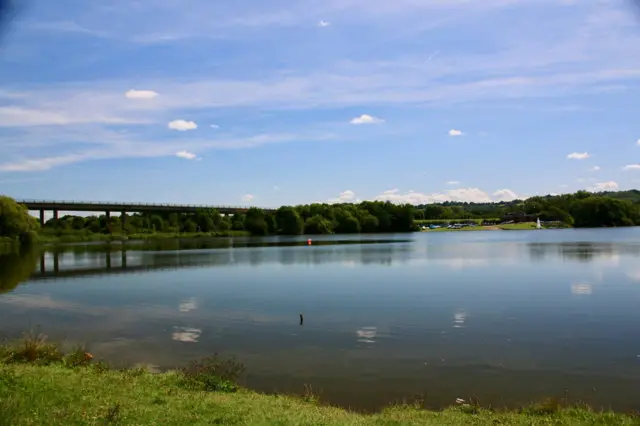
90, 206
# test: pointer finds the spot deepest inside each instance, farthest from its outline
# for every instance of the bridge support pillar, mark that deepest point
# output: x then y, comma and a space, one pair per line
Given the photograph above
41, 218
124, 259
123, 220
43, 265
108, 226
55, 214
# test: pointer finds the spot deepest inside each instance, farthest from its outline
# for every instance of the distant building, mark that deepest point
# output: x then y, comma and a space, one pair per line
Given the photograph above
518, 217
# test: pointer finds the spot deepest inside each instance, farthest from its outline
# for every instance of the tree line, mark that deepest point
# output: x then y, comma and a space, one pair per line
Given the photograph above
366, 217
581, 209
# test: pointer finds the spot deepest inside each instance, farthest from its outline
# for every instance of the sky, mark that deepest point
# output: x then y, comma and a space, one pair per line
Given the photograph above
268, 103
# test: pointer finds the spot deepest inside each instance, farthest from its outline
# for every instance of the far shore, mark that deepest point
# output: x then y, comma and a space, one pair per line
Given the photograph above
507, 227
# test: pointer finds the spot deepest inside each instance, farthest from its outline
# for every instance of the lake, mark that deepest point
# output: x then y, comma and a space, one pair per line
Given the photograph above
500, 317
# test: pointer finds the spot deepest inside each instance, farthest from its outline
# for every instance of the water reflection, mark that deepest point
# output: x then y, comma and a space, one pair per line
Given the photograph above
16, 266
186, 334
188, 305
367, 334
82, 262
581, 289
510, 317
459, 318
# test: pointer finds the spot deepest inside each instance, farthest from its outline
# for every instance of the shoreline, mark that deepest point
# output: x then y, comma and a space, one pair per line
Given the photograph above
41, 385
89, 393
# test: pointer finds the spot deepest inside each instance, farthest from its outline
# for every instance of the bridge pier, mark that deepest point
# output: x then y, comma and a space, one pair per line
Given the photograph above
43, 264
108, 260
55, 214
123, 220
41, 218
124, 259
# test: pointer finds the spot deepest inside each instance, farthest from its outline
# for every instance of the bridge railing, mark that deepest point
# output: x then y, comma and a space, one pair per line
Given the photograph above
129, 204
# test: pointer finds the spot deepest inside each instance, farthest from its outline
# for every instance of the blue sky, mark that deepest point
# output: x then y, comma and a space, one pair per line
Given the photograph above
265, 103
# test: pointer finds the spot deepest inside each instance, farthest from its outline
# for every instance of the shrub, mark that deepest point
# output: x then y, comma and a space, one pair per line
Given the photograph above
213, 374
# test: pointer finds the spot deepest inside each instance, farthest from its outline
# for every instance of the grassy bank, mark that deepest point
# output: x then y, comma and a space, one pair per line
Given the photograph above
453, 221
41, 386
79, 237
55, 394
508, 227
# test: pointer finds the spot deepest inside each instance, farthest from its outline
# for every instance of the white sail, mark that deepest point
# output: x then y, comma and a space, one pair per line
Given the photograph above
538, 225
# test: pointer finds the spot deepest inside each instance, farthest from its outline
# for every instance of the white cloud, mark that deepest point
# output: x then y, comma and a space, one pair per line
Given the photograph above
578, 156
323, 24
454, 132
101, 144
248, 198
13, 116
605, 186
182, 125
504, 195
214, 126
631, 167
473, 195
276, 188
141, 94
638, 142
40, 164
186, 155
595, 169
453, 182
366, 119
347, 195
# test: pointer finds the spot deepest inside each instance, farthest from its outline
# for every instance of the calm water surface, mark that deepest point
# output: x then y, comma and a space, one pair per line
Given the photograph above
503, 317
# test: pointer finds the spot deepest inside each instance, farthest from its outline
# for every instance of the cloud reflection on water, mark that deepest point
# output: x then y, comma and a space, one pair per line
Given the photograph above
186, 334
188, 305
582, 289
367, 334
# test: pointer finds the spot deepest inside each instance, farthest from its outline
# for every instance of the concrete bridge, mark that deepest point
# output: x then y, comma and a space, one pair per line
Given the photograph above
122, 208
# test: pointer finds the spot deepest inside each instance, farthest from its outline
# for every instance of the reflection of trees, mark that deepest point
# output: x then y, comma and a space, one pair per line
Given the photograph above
15, 267
134, 259
581, 251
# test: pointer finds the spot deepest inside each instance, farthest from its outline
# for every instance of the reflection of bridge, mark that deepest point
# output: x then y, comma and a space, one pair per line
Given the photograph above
52, 265
108, 207
54, 272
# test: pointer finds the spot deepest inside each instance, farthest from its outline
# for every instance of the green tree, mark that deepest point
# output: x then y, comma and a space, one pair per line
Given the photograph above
225, 224
157, 223
346, 223
370, 223
190, 226
317, 225
77, 223
254, 221
15, 220
289, 221
237, 222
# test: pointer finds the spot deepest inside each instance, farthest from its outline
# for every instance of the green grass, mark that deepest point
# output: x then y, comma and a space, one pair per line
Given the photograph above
58, 395
39, 385
466, 228
449, 221
518, 226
